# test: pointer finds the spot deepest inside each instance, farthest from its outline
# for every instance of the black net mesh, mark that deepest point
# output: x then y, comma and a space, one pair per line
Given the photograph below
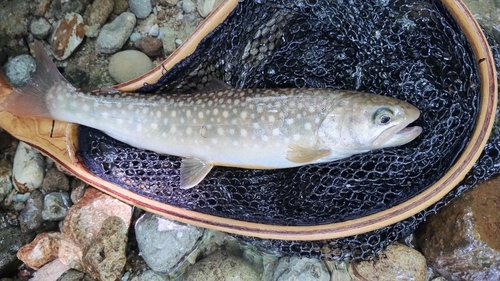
412, 50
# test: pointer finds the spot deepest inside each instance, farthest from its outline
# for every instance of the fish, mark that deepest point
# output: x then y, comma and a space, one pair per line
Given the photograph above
222, 126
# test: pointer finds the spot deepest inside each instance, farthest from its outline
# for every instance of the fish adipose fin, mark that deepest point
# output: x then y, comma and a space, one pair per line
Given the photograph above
301, 155
193, 170
30, 99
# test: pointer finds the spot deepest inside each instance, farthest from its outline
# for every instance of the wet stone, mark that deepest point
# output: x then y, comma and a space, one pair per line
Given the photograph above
188, 6
120, 6
99, 12
114, 35
77, 190
14, 18
150, 46
141, 8
56, 205
68, 35
55, 180
205, 7
12, 239
168, 39
295, 268
223, 266
397, 262
129, 64
30, 218
461, 240
40, 251
5, 176
155, 236
19, 69
40, 28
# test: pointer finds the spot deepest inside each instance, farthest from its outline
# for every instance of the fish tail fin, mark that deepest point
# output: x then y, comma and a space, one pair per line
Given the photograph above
32, 98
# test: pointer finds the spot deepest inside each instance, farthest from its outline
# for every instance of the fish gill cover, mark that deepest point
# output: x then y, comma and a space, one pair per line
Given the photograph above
411, 50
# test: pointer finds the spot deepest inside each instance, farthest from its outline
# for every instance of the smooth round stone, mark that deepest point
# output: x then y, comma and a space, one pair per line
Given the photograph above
28, 168
141, 8
19, 69
116, 33
40, 28
129, 64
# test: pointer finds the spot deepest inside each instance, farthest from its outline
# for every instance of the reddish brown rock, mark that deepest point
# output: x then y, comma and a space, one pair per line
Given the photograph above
462, 240
94, 235
68, 35
152, 47
40, 251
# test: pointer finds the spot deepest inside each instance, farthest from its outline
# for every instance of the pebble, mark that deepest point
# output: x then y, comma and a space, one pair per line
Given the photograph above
51, 271
55, 180
21, 197
97, 224
12, 239
154, 30
99, 11
56, 205
295, 268
40, 251
60, 8
120, 6
150, 275
40, 28
167, 35
68, 35
168, 3
205, 7
30, 218
74, 275
223, 266
129, 64
114, 35
155, 236
78, 188
19, 69
141, 8
150, 46
17, 10
188, 6
135, 36
28, 167
5, 176
461, 241
397, 262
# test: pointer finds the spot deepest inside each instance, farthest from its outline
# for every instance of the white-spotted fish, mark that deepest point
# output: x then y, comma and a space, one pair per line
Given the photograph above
247, 128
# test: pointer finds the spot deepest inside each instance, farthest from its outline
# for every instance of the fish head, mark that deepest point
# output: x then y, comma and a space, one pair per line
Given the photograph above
370, 122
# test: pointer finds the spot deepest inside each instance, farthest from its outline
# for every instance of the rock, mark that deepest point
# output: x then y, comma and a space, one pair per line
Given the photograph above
205, 7
168, 3
40, 28
30, 218
135, 36
114, 35
56, 205
397, 262
188, 6
75, 275
60, 8
19, 69
78, 188
141, 8
55, 180
14, 19
150, 46
129, 64
150, 275
99, 12
167, 35
5, 176
11, 240
40, 251
67, 36
120, 6
222, 266
295, 268
154, 30
51, 271
155, 236
94, 235
461, 240
28, 166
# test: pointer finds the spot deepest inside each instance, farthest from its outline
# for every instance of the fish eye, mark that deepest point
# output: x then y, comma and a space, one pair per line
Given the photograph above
383, 116
384, 119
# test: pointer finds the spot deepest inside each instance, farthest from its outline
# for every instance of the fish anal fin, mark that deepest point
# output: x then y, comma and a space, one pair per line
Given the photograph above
303, 155
193, 171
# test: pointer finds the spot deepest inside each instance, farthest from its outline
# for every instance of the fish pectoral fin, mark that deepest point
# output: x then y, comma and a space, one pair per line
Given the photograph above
302, 155
193, 170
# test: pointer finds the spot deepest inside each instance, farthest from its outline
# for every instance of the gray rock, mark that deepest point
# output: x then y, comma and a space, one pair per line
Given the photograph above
12, 239
135, 36
168, 3
5, 176
77, 189
60, 8
114, 35
19, 69
71, 275
55, 180
30, 218
14, 18
188, 6
56, 205
154, 30
40, 28
295, 268
21, 197
205, 7
167, 35
150, 275
67, 35
28, 167
223, 266
164, 243
141, 8
129, 64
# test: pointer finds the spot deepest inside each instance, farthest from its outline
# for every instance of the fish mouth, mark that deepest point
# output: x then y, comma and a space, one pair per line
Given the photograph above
403, 136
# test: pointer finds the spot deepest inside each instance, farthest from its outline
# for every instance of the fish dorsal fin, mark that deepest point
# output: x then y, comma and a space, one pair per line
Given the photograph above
193, 170
216, 85
302, 155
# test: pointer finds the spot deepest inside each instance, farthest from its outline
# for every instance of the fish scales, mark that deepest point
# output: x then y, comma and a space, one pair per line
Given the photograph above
247, 128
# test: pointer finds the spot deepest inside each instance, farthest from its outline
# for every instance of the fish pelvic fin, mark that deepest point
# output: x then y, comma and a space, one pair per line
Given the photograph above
303, 155
31, 99
193, 171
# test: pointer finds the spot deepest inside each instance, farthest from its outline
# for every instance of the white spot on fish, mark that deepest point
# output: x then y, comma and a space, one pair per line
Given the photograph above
210, 102
86, 107
271, 118
220, 131
173, 113
265, 138
154, 126
130, 106
316, 120
214, 141
145, 110
296, 137
225, 114
235, 143
256, 125
276, 132
236, 102
200, 115
158, 114
173, 129
312, 109
189, 131
231, 131
188, 113
243, 133
307, 126
260, 109
244, 114
215, 111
